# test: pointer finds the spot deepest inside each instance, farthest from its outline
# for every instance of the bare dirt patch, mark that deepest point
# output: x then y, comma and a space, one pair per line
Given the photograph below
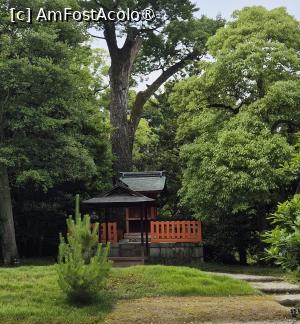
199, 310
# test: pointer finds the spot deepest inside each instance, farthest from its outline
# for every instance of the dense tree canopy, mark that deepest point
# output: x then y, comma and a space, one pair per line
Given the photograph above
237, 123
159, 149
52, 132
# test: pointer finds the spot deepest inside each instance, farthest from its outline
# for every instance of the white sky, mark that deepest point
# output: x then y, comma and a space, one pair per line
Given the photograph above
213, 7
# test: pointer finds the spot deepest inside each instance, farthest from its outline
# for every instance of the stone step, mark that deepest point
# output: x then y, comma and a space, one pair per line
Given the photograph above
135, 237
254, 278
275, 287
250, 278
288, 300
132, 249
127, 261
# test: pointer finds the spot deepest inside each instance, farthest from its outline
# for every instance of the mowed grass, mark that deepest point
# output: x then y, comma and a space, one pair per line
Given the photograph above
30, 294
149, 281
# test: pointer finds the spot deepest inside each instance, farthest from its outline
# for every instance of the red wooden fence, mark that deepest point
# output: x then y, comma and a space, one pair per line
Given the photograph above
176, 231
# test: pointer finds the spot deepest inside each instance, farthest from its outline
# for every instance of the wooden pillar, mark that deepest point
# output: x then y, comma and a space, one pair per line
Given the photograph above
142, 231
106, 225
100, 226
127, 213
146, 221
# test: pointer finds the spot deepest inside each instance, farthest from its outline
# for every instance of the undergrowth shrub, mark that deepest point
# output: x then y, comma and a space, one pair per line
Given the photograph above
83, 264
284, 239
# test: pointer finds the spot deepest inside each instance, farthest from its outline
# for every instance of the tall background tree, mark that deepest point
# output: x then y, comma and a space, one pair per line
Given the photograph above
165, 45
53, 136
237, 125
156, 146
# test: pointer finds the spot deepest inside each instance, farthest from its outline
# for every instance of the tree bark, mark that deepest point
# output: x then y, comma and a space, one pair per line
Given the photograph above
122, 132
121, 137
124, 121
124, 124
143, 96
8, 239
122, 60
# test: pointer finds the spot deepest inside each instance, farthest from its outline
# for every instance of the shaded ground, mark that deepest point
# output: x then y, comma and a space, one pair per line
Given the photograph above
194, 310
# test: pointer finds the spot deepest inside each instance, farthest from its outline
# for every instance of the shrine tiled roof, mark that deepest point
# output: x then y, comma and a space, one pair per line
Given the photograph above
148, 181
120, 196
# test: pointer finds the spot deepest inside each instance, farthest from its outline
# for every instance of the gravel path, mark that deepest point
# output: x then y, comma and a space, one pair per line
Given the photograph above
194, 310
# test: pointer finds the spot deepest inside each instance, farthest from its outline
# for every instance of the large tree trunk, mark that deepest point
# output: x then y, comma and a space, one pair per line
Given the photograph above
122, 133
122, 129
124, 122
8, 239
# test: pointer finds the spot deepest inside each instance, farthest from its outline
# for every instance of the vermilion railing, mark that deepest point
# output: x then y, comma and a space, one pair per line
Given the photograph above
111, 229
176, 231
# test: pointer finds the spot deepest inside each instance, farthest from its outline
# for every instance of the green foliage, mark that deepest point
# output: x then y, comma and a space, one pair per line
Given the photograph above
54, 140
144, 145
162, 149
294, 165
83, 263
284, 239
258, 47
236, 127
238, 169
50, 116
175, 40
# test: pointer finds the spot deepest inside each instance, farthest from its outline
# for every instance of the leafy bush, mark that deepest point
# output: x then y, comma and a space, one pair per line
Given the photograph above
83, 263
285, 237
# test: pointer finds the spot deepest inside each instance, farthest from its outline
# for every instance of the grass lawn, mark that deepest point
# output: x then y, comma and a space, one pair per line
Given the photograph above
30, 294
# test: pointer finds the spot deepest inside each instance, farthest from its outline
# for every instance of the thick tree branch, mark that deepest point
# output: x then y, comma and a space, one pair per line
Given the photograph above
111, 38
131, 36
132, 46
290, 123
143, 96
134, 50
101, 89
95, 36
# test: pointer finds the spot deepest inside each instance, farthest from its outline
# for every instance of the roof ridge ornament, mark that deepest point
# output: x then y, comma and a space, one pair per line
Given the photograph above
142, 174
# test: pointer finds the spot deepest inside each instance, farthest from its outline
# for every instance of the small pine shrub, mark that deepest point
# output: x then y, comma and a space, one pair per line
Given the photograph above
83, 264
